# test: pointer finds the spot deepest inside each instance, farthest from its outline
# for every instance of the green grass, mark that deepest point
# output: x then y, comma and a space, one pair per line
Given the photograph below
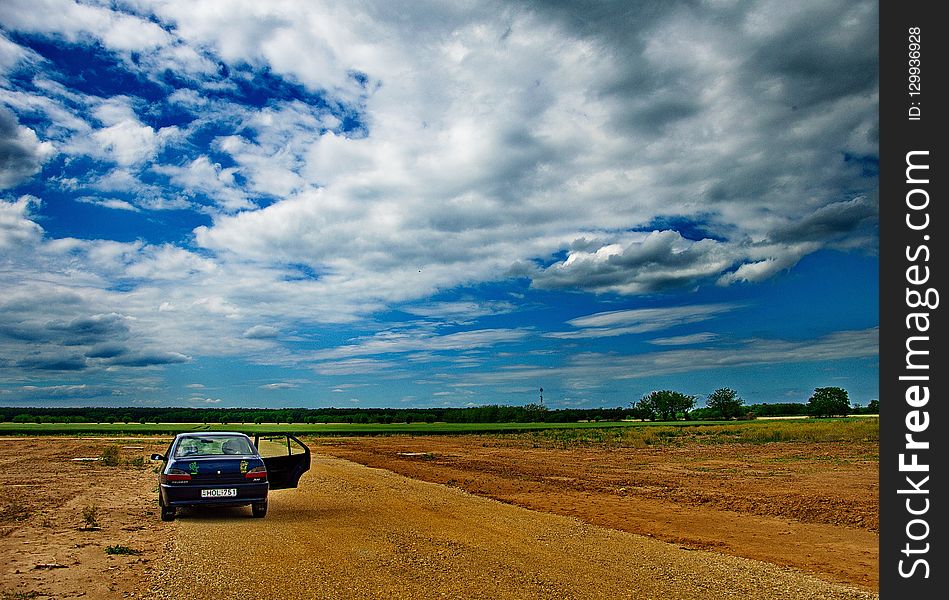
622, 433
743, 432
121, 550
316, 429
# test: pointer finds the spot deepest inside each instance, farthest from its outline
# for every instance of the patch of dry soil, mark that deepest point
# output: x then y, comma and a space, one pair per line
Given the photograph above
781, 520
48, 546
813, 507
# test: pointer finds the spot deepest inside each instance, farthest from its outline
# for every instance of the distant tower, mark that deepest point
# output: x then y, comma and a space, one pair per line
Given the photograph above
541, 396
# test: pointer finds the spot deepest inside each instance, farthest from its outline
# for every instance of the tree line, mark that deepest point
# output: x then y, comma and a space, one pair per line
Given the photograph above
725, 403
663, 405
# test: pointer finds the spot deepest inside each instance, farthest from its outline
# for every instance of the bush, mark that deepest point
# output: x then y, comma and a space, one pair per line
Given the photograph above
89, 515
110, 456
121, 550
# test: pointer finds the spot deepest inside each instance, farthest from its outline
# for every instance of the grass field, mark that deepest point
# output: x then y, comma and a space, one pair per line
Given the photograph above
743, 432
621, 433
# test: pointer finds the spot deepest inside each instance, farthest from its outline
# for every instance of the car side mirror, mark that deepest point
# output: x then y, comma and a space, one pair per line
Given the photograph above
157, 457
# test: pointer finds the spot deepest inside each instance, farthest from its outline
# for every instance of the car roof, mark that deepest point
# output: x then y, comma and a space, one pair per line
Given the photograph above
204, 433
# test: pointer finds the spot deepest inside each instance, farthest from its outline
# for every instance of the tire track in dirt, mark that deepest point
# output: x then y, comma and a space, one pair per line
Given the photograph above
351, 531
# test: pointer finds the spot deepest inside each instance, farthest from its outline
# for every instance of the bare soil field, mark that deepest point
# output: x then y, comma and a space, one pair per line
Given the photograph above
775, 520
813, 507
58, 515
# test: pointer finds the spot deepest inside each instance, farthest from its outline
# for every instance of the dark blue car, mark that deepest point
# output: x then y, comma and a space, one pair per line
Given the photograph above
226, 468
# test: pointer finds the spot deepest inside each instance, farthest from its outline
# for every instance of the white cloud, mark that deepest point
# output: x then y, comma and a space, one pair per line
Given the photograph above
16, 228
217, 182
685, 340
124, 138
261, 332
596, 366
641, 320
389, 342
628, 154
76, 21
113, 203
282, 385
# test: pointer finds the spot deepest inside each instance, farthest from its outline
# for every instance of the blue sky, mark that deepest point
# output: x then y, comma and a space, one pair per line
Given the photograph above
288, 203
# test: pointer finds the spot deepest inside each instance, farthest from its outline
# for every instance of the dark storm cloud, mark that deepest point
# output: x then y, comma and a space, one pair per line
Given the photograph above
21, 154
819, 55
148, 359
91, 329
53, 361
107, 350
830, 223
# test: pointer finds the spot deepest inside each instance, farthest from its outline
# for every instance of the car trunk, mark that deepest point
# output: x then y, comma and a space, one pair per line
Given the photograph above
217, 470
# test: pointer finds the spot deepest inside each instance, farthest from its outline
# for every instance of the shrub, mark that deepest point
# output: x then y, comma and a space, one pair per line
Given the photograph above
110, 456
13, 510
116, 549
90, 515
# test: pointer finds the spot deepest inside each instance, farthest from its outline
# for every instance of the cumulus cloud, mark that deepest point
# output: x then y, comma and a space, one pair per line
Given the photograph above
21, 153
122, 137
213, 180
477, 144
659, 261
78, 21
16, 228
331, 162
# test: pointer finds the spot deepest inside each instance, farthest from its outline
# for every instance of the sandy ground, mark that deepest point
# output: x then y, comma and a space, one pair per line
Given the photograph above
48, 549
813, 507
355, 532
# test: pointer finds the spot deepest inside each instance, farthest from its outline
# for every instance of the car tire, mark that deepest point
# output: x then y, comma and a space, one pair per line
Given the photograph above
259, 509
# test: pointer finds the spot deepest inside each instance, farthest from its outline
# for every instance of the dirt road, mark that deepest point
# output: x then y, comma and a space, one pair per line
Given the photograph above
357, 532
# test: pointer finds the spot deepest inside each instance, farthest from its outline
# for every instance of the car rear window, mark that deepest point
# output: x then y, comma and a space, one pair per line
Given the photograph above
213, 445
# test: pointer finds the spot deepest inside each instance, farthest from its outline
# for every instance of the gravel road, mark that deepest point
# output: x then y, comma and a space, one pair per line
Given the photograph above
354, 532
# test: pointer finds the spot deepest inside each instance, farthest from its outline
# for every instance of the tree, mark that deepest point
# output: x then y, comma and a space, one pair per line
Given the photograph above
664, 405
726, 401
873, 407
828, 402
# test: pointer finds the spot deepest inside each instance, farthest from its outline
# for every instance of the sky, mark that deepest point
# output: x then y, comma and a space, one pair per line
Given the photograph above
218, 203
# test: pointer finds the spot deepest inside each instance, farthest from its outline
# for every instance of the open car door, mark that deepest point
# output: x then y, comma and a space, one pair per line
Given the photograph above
286, 458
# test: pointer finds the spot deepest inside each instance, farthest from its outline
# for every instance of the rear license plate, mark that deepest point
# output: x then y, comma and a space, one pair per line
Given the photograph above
219, 493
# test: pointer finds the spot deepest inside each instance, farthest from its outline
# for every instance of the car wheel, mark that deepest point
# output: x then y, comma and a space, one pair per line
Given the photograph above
259, 509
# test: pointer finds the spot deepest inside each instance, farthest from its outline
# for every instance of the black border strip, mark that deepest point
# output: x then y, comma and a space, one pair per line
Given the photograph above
912, 271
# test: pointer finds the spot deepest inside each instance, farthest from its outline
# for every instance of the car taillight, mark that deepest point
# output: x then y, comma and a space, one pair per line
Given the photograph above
174, 475
257, 473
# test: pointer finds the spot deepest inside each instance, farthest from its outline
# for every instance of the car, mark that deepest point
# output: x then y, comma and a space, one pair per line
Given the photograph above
227, 468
